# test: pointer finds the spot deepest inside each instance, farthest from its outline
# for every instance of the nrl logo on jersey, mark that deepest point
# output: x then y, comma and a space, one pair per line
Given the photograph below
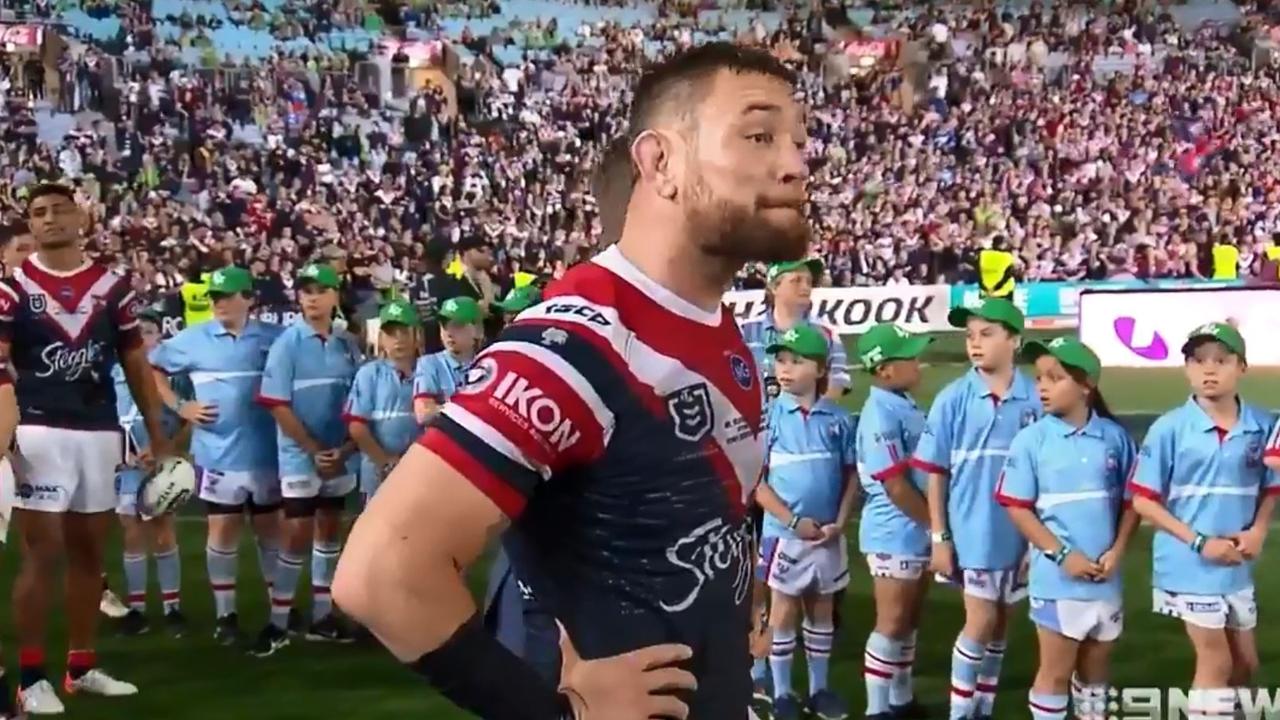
37, 302
691, 412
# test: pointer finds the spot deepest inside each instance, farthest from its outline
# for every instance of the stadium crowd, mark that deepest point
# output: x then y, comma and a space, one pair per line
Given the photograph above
1004, 134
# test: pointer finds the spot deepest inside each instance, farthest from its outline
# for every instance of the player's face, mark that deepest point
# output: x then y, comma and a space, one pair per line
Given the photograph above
1059, 392
990, 345
150, 334
796, 375
317, 300
744, 185
459, 338
231, 308
399, 341
901, 374
1214, 371
17, 250
793, 288
56, 222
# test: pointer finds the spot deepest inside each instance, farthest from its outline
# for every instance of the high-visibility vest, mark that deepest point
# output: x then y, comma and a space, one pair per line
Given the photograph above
455, 268
1226, 262
992, 267
1273, 256
196, 306
524, 279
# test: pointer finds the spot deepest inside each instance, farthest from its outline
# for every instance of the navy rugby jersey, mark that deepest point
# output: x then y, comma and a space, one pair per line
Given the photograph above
618, 426
66, 331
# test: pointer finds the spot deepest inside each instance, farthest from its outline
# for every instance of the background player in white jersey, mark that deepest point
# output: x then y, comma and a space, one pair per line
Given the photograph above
64, 321
438, 375
8, 422
233, 440
894, 531
716, 139
305, 384
809, 489
157, 536
379, 411
963, 448
1202, 482
1064, 487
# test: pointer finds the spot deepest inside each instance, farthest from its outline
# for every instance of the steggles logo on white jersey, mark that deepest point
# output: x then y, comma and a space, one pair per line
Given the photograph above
70, 363
528, 405
711, 549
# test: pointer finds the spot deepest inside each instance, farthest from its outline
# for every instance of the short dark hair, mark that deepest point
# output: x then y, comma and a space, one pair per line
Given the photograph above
10, 231
611, 184
677, 80
50, 188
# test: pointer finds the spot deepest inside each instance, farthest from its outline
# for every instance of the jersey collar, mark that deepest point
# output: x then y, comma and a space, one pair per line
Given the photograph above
891, 398
788, 403
1247, 422
1022, 388
1092, 427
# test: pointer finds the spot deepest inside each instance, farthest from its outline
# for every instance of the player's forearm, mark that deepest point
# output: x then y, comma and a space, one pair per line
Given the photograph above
908, 498
142, 385
849, 500
1156, 514
9, 415
165, 390
772, 504
1027, 523
368, 444
1129, 522
1266, 508
293, 429
937, 488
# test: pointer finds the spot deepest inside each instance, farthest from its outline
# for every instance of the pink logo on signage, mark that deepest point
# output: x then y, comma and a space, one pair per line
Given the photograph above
1157, 350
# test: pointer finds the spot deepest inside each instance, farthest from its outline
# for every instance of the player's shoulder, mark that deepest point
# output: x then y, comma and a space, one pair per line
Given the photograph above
269, 330
956, 391
1113, 432
1033, 436
1257, 418
1169, 422
371, 370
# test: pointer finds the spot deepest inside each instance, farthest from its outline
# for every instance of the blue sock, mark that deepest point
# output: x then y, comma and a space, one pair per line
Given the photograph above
819, 638
759, 670
880, 662
966, 659
989, 677
1047, 707
780, 659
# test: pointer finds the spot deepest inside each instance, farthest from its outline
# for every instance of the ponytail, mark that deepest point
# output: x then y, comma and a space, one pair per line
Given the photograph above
1098, 405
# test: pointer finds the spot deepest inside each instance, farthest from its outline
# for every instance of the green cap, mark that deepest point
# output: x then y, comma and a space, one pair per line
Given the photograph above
519, 299
804, 340
463, 310
230, 280
887, 341
996, 310
778, 269
320, 274
398, 312
1069, 351
1225, 333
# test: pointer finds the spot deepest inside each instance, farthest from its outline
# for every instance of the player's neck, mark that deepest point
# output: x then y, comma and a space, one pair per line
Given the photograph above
678, 265
1223, 411
322, 326
235, 326
787, 316
1078, 417
61, 259
999, 381
806, 400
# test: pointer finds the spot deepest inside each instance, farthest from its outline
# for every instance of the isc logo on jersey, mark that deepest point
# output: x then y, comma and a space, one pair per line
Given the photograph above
527, 405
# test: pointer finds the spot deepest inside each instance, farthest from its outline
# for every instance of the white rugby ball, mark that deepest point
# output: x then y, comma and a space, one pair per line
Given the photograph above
173, 481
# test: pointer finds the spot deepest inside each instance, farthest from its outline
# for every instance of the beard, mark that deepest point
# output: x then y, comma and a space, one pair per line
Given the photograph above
745, 233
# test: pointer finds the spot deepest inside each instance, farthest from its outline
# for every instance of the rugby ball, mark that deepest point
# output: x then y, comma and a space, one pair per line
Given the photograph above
173, 481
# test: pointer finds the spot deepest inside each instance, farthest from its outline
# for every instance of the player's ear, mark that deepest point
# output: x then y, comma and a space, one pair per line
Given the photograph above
653, 152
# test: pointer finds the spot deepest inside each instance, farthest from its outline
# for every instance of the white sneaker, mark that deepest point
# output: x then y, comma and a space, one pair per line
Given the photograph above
97, 682
111, 606
40, 699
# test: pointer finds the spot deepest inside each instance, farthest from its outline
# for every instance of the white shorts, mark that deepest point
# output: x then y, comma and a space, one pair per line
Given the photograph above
794, 567
998, 586
307, 487
1237, 611
238, 488
896, 567
63, 470
8, 494
1080, 620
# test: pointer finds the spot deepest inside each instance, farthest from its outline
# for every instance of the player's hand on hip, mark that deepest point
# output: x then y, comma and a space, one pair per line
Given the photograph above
1078, 566
1222, 551
198, 413
631, 686
942, 560
808, 529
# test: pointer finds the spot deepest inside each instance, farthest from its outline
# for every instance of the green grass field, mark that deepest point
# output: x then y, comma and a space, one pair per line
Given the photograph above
193, 679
